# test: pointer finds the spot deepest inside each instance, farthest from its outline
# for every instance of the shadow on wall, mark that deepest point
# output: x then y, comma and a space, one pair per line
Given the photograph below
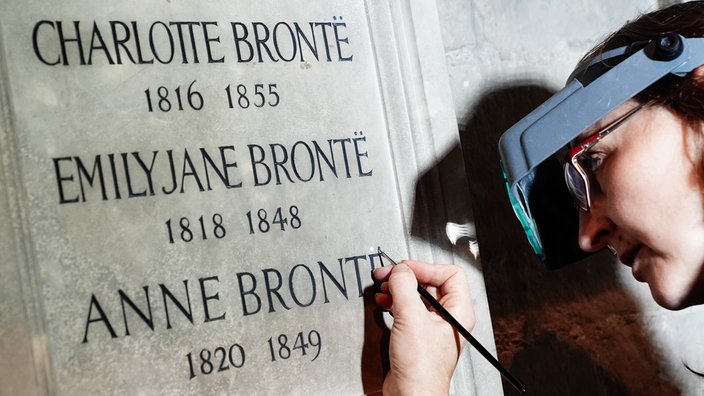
571, 331
440, 196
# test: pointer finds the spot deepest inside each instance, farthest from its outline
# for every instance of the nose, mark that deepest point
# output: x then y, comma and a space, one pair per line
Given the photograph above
595, 228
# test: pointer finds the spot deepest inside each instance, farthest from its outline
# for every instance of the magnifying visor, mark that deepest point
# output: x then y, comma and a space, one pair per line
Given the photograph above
534, 175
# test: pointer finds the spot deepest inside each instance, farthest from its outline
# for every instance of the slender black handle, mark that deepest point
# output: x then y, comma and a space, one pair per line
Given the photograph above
458, 326
479, 347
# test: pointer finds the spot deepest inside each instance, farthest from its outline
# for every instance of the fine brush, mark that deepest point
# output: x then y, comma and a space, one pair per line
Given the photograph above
465, 333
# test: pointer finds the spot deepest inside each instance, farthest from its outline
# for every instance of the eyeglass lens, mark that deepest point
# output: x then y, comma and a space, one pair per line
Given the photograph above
577, 185
575, 177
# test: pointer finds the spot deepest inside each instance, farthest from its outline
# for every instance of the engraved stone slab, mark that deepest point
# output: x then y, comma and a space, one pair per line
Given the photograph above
193, 194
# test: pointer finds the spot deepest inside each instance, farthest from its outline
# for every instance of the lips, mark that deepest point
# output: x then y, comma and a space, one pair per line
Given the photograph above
629, 256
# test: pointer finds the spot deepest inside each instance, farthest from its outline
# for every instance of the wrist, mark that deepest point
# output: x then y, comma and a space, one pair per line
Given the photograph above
394, 386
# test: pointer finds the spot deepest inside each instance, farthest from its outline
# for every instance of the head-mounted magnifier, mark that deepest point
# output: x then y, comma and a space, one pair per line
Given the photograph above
534, 176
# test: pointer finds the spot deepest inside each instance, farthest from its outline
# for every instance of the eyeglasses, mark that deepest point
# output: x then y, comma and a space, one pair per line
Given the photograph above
576, 176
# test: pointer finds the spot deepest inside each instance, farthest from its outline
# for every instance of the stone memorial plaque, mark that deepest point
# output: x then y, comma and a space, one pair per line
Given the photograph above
192, 194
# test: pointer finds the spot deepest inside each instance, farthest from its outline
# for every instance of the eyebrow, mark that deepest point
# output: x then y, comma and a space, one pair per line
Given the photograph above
597, 126
588, 132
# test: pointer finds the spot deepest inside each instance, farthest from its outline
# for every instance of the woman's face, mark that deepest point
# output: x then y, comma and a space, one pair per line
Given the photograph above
647, 203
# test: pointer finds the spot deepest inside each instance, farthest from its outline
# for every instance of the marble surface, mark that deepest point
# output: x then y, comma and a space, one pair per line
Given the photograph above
193, 194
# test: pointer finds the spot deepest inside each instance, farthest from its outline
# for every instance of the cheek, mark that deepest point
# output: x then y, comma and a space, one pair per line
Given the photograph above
627, 193
659, 206
648, 187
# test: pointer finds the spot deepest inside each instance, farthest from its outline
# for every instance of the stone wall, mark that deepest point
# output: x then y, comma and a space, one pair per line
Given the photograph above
590, 328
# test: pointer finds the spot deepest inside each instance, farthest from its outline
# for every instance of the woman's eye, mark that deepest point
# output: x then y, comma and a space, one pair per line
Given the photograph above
591, 161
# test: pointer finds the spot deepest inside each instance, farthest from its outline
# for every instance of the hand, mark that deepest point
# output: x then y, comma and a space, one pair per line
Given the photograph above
424, 348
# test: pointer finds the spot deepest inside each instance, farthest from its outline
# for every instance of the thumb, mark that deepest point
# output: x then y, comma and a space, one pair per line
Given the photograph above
403, 287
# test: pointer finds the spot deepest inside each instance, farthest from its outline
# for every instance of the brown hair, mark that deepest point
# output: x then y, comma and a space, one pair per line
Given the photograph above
682, 95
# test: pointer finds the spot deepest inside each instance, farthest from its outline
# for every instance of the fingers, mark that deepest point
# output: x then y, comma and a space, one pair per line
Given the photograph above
427, 274
382, 297
399, 290
403, 286
446, 282
382, 273
434, 274
448, 279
